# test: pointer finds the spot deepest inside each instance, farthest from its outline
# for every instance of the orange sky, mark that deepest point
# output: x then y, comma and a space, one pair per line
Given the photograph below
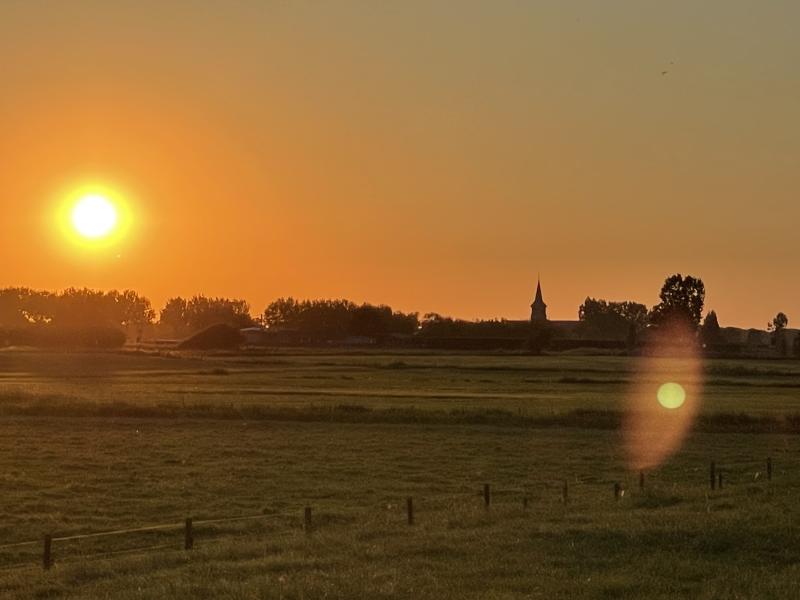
431, 157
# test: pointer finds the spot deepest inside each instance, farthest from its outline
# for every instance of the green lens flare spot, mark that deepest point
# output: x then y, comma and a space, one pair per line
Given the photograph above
671, 395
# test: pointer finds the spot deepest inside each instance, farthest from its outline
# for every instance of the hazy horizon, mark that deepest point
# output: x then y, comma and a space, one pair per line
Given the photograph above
431, 158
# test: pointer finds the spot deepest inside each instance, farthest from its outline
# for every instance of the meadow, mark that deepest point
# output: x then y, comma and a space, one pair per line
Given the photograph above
95, 442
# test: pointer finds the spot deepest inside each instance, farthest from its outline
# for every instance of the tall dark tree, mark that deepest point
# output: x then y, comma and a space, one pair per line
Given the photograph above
682, 300
779, 322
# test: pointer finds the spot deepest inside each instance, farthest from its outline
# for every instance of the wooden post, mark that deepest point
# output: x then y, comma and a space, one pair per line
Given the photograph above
769, 469
565, 493
719, 485
188, 538
410, 510
524, 502
641, 480
617, 490
47, 557
307, 519
487, 496
713, 475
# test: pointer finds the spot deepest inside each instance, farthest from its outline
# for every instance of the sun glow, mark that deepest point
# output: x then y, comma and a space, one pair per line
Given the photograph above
94, 216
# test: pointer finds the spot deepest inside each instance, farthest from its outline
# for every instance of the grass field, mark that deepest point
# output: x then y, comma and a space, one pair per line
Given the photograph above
98, 442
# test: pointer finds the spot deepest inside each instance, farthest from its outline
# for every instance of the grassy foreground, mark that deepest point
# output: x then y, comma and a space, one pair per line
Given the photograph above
64, 475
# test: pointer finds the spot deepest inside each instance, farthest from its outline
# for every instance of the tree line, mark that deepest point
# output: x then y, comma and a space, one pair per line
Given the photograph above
681, 301
26, 313
72, 317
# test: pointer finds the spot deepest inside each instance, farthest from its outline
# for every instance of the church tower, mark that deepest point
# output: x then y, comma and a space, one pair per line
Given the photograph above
538, 308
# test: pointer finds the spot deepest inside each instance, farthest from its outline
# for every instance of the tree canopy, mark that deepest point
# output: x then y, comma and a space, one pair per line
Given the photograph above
338, 318
682, 300
182, 316
74, 308
602, 316
779, 322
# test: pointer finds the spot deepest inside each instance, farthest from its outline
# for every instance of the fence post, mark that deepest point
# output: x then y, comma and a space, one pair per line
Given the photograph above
617, 490
188, 538
487, 495
720, 480
565, 492
47, 557
410, 510
641, 480
769, 469
307, 519
713, 475
524, 502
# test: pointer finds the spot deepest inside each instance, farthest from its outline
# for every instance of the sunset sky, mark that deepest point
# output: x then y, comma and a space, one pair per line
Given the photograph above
435, 156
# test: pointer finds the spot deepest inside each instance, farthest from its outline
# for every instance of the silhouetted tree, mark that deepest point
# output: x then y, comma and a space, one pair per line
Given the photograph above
173, 316
331, 319
37, 306
16, 307
378, 321
134, 310
779, 322
602, 317
200, 312
74, 317
74, 308
203, 312
328, 319
282, 312
682, 300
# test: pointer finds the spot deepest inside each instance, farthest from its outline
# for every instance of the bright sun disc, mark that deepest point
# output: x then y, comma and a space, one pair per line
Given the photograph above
94, 216
671, 395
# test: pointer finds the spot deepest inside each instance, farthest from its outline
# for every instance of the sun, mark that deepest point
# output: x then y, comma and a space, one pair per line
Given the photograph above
94, 216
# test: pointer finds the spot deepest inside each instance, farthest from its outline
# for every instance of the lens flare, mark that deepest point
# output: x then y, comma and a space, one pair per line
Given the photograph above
671, 395
664, 398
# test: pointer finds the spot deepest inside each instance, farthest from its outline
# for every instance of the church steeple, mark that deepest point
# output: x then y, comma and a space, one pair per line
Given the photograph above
538, 308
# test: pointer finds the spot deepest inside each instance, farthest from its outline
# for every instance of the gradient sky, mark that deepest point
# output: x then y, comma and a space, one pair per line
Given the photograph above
431, 155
